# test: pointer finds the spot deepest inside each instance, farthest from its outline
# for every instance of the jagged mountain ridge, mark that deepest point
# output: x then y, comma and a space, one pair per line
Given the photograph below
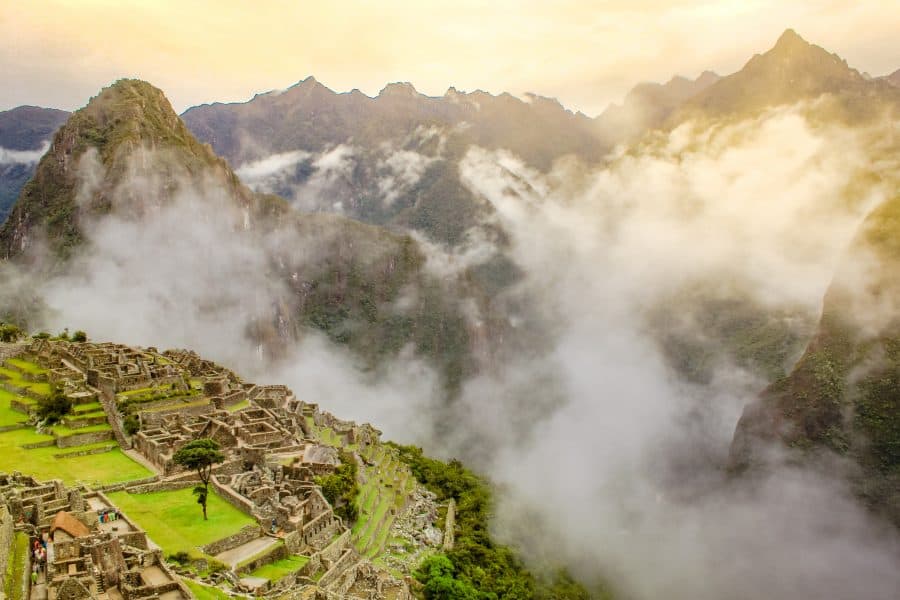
648, 106
128, 154
893, 78
380, 136
791, 71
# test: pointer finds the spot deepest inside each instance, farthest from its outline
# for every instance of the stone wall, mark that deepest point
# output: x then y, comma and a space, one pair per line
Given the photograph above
344, 562
88, 452
246, 534
6, 541
136, 539
116, 487
20, 406
148, 591
275, 553
82, 439
108, 402
450, 526
154, 418
233, 498
162, 486
336, 548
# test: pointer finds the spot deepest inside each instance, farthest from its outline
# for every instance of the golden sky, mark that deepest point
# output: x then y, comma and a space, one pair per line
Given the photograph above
60, 52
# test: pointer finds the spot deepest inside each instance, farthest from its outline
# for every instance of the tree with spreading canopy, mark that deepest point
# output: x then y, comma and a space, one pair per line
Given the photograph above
200, 455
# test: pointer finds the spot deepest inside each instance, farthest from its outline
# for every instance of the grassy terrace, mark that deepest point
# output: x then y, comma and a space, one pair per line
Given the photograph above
205, 592
278, 569
326, 435
178, 403
174, 522
376, 499
16, 379
8, 416
63, 431
108, 467
240, 405
26, 367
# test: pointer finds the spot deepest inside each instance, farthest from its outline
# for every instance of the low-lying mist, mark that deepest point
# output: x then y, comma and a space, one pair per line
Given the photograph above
606, 459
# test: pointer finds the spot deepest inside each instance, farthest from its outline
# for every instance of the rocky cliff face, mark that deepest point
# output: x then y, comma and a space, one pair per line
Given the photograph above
24, 134
128, 156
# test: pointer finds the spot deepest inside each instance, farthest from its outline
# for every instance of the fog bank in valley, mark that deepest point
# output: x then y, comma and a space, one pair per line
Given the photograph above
605, 458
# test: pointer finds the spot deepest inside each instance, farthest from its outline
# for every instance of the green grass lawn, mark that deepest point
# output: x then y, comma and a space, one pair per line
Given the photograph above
17, 380
173, 519
278, 569
239, 406
85, 408
205, 592
108, 467
376, 498
329, 437
27, 367
8, 416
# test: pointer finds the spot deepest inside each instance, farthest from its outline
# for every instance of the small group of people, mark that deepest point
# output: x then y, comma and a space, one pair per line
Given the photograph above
109, 516
39, 556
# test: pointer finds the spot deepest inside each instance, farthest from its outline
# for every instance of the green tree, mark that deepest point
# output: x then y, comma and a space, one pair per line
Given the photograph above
200, 455
436, 575
341, 488
54, 407
132, 425
79, 336
10, 333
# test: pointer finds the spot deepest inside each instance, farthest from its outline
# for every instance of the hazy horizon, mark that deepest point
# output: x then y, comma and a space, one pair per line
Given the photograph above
585, 54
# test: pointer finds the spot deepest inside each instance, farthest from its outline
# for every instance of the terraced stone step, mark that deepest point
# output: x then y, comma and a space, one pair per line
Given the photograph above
86, 421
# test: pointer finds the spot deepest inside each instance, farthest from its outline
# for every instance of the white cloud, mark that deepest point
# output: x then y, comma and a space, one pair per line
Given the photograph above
22, 157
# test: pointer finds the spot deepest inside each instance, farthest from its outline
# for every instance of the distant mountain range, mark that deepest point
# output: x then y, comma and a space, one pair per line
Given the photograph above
127, 154
388, 168
393, 159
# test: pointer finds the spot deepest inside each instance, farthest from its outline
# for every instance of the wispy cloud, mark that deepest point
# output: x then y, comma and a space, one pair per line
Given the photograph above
22, 157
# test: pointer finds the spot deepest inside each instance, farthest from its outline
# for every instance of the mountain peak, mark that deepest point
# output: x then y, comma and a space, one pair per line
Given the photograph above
790, 39
115, 127
400, 89
308, 85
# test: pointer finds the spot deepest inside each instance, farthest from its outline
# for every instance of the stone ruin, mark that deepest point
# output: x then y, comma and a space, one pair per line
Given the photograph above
272, 461
92, 551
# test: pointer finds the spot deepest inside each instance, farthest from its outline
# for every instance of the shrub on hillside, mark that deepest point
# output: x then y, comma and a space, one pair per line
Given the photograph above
340, 489
51, 409
10, 333
132, 425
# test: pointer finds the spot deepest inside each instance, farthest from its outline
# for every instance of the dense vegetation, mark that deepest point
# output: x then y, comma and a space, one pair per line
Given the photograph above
842, 394
340, 488
476, 568
10, 333
51, 409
